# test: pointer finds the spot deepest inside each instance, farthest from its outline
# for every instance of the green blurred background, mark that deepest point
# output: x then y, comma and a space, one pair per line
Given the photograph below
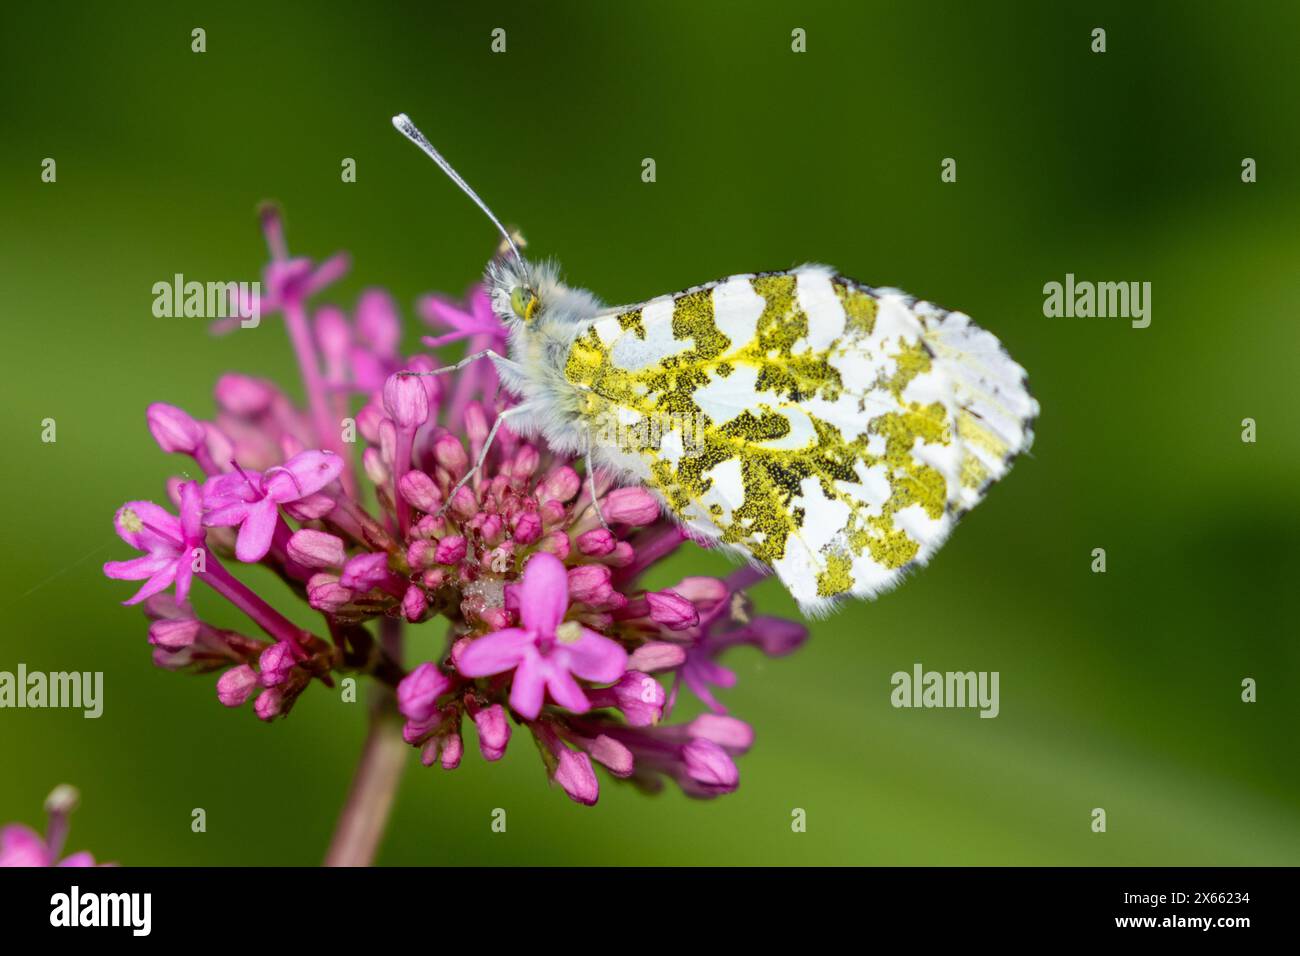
1118, 690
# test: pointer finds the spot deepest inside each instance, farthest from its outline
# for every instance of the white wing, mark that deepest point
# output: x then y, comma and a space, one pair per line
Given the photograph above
810, 423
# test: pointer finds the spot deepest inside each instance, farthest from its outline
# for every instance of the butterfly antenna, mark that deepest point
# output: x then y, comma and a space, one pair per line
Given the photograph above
408, 129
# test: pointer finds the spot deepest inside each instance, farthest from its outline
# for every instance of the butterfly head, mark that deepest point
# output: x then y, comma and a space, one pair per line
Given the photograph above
513, 286
523, 302
528, 294
513, 289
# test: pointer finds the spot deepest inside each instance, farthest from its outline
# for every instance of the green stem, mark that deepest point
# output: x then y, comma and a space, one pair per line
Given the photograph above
374, 786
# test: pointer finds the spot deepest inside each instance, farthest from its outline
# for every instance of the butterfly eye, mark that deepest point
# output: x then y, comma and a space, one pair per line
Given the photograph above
523, 302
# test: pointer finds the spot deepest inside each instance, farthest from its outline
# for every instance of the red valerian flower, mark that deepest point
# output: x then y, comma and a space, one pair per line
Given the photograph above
520, 579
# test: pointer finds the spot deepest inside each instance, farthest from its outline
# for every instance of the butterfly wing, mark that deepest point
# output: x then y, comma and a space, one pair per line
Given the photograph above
807, 422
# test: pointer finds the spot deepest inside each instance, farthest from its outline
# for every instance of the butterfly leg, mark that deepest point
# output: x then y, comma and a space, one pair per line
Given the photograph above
467, 360
482, 455
591, 478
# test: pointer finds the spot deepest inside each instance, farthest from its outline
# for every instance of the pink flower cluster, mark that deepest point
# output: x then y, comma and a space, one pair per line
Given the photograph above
535, 569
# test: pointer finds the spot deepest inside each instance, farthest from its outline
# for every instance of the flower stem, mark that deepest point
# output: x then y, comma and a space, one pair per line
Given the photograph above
374, 786
263, 615
295, 320
405, 437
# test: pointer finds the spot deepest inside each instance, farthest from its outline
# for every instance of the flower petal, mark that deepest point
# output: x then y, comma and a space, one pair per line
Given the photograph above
20, 846
566, 692
227, 515
184, 575
528, 687
137, 569
304, 474
191, 511
544, 593
159, 582
595, 657
232, 486
256, 531
495, 653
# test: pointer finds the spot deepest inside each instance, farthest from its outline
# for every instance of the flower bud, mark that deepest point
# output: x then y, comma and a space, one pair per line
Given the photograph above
613, 755
640, 697
777, 636
463, 503
414, 604
573, 772
173, 429
493, 731
657, 656
406, 401
704, 592
365, 571
451, 550
671, 610
528, 527
173, 635
269, 704
377, 322
235, 685
317, 549
449, 453
275, 664
556, 543
418, 691
62, 800
244, 396
419, 491
453, 747
368, 420
729, 732
597, 543
476, 424
372, 460
420, 554
525, 463
553, 513
324, 593
332, 334
589, 584
708, 764
634, 506
560, 485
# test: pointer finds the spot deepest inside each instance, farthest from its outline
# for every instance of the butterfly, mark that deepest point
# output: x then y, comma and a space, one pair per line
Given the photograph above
800, 420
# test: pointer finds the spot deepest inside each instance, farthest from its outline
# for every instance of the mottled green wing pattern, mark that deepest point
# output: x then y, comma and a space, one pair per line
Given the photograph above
828, 430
